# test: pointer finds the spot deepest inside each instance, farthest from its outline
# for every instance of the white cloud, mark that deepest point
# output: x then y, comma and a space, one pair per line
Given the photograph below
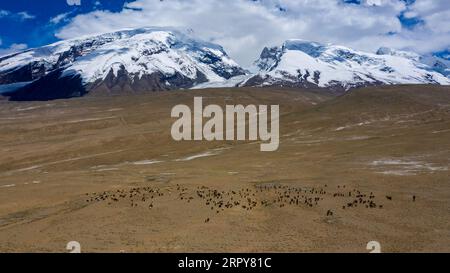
22, 16
435, 14
12, 49
4, 13
59, 18
433, 34
244, 27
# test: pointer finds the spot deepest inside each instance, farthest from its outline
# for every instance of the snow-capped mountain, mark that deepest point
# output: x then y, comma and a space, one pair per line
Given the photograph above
153, 59
145, 59
308, 64
437, 64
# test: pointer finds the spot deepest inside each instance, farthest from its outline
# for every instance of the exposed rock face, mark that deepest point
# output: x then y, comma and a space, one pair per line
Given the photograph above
158, 59
299, 63
50, 87
138, 60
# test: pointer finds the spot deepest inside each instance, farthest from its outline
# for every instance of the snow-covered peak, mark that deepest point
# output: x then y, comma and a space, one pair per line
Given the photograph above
145, 58
140, 51
305, 63
438, 64
399, 53
311, 48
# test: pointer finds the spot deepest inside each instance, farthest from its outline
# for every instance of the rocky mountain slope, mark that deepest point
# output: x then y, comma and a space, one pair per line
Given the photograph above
146, 59
304, 64
154, 59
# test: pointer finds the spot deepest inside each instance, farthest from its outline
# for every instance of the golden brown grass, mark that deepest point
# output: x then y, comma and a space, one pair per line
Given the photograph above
62, 161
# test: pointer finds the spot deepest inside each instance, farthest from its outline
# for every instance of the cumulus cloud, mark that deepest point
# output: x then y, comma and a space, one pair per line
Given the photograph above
244, 27
431, 34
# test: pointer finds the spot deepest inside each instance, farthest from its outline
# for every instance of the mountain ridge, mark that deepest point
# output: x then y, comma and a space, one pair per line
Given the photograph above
145, 59
157, 59
305, 63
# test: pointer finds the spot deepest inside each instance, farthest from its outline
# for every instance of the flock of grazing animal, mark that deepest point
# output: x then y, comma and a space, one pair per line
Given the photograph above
269, 195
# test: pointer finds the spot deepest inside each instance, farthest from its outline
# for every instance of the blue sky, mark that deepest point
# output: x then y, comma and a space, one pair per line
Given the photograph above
241, 26
38, 30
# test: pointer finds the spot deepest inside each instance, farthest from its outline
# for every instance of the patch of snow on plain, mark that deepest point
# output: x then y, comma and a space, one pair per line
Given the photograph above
205, 154
8, 186
146, 162
405, 167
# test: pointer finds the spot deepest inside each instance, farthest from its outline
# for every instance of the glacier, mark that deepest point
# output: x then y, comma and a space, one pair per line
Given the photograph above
128, 60
164, 58
305, 63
